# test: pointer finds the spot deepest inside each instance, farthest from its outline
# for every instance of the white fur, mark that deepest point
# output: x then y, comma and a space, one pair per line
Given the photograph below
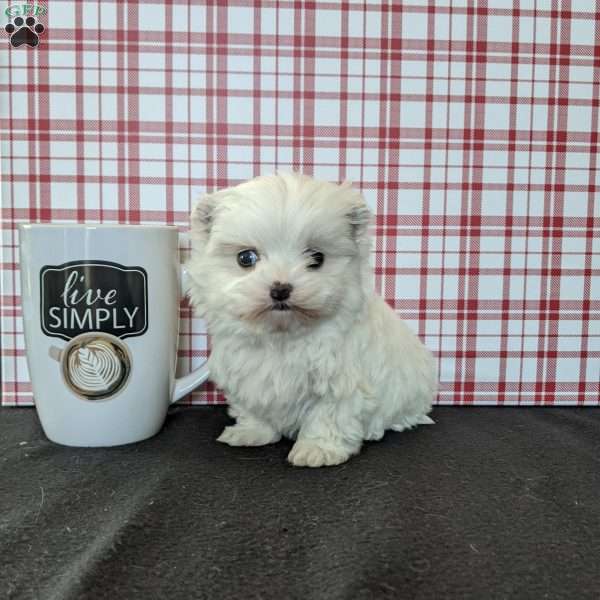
338, 368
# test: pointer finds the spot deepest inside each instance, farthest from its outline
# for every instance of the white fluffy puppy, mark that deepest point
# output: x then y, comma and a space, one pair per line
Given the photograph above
301, 345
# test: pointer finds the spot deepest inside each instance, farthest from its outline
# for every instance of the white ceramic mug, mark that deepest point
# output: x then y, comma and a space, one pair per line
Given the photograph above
101, 318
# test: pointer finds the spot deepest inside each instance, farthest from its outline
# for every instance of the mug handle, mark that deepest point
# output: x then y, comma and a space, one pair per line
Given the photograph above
184, 385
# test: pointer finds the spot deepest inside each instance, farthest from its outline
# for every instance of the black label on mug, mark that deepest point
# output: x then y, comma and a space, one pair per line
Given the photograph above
82, 296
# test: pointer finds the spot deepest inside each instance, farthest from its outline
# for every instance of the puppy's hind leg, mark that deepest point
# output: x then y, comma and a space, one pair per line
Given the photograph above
248, 431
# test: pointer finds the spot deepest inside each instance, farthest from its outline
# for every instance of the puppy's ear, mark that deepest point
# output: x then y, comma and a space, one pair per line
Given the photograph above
360, 219
203, 216
359, 214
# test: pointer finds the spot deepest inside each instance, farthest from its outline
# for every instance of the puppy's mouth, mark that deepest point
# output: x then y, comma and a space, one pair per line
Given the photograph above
280, 306
306, 314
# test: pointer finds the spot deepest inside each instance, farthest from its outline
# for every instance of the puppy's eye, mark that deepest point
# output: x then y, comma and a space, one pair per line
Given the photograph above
247, 258
316, 259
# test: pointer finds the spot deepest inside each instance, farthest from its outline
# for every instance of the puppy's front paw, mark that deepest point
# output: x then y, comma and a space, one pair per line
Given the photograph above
244, 435
311, 453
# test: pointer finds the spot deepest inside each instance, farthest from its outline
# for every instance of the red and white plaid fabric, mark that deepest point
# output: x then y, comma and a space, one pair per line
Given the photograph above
471, 127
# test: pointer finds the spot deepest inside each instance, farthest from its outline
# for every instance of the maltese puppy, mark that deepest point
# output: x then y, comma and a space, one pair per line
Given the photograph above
301, 345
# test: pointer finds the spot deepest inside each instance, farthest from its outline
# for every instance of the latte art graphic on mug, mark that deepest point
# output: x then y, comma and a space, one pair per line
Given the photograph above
97, 368
94, 366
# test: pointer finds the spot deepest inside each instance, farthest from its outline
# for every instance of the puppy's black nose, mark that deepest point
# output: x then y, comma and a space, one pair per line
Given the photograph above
280, 291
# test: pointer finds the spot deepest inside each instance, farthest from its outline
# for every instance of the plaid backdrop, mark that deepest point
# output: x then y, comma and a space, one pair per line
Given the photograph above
471, 127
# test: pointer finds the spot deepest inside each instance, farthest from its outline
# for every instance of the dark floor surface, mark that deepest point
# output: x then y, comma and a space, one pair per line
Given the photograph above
488, 503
